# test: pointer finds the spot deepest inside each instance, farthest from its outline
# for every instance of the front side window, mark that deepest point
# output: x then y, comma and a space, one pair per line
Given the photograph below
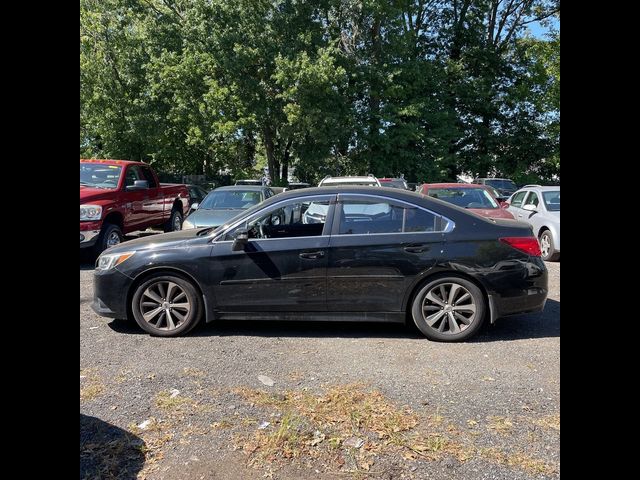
302, 218
372, 216
552, 200
516, 201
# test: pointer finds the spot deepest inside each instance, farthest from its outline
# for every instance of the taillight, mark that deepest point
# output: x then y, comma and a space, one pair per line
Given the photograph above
528, 245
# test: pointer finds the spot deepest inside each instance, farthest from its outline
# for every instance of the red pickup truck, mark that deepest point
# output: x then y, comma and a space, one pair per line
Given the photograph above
118, 196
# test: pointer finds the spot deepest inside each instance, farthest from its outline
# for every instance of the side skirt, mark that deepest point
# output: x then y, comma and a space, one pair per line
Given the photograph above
392, 317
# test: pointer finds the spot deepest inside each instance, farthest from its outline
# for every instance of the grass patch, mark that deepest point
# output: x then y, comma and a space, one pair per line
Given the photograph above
551, 422
518, 460
501, 425
90, 385
166, 401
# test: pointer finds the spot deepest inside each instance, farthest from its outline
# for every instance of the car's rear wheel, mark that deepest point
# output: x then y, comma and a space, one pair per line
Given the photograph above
549, 253
167, 305
448, 309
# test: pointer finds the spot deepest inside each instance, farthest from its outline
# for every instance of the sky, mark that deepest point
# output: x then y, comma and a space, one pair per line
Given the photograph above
539, 31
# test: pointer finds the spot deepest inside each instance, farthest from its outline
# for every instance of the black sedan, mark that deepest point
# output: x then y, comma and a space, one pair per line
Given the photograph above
378, 254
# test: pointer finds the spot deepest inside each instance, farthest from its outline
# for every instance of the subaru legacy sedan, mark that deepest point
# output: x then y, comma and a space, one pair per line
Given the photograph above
380, 254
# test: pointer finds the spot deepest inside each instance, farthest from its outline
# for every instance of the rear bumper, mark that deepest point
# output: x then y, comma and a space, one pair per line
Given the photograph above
525, 292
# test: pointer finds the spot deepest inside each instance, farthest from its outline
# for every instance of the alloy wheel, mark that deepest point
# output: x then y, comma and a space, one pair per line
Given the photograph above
164, 305
449, 308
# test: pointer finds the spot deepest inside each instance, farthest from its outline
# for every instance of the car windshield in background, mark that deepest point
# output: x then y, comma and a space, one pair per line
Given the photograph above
230, 199
394, 184
464, 197
501, 183
552, 200
99, 175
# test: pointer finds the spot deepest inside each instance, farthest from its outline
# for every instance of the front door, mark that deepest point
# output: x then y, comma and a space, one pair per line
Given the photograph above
283, 266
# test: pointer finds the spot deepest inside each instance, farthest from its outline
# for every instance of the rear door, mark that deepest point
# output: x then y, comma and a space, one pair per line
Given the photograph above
378, 247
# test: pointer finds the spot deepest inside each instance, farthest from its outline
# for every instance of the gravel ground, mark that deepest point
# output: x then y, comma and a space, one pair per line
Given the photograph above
486, 409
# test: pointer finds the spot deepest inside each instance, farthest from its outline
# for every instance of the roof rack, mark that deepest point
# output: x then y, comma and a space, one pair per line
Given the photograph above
532, 185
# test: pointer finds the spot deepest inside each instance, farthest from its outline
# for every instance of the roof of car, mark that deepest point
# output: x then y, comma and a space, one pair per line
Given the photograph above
111, 162
243, 188
454, 185
541, 188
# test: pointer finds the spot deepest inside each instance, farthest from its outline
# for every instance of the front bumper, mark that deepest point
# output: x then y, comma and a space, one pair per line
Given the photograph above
110, 293
89, 232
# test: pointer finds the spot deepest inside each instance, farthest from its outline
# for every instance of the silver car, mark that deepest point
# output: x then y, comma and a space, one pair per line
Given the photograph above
540, 207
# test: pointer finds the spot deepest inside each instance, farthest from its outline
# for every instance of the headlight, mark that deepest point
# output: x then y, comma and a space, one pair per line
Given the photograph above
187, 225
110, 260
90, 212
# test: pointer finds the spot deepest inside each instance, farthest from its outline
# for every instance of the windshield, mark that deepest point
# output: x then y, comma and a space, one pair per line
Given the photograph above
230, 199
464, 197
552, 200
99, 175
502, 183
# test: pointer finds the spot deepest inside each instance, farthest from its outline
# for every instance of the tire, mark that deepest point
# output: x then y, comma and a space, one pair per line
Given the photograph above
549, 253
110, 236
175, 221
448, 327
161, 317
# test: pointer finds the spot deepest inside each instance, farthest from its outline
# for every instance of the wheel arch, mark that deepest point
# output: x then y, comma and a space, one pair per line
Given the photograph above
143, 276
429, 276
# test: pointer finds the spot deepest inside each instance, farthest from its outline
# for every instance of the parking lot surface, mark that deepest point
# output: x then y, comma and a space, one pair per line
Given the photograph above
333, 400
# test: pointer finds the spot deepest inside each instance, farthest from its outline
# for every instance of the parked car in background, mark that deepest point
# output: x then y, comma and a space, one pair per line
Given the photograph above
540, 207
365, 180
380, 255
505, 186
119, 196
224, 203
394, 183
476, 198
498, 196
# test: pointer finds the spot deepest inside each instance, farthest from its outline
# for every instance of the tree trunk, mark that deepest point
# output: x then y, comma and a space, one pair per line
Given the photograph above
272, 160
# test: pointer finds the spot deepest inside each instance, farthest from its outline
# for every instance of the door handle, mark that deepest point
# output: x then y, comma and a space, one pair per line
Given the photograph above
312, 255
416, 248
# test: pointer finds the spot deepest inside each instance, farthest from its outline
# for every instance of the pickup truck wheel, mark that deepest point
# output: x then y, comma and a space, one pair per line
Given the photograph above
175, 222
166, 305
110, 236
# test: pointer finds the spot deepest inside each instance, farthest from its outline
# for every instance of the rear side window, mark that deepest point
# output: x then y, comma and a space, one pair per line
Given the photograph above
364, 217
532, 199
148, 176
516, 201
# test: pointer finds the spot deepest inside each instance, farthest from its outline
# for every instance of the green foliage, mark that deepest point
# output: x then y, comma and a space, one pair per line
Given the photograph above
425, 89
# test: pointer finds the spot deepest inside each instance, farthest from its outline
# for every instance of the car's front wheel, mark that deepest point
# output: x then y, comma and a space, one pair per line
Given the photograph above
448, 309
167, 305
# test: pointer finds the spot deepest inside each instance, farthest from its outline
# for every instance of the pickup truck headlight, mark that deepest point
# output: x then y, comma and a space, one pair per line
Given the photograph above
107, 261
90, 212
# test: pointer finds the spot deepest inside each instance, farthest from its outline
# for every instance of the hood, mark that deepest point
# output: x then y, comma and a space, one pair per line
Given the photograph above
492, 212
161, 241
212, 218
89, 194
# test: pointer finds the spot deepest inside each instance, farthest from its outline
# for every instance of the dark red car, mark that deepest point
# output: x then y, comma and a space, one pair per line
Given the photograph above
119, 196
476, 198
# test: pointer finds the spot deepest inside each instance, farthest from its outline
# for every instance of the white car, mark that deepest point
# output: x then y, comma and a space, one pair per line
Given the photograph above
316, 213
540, 207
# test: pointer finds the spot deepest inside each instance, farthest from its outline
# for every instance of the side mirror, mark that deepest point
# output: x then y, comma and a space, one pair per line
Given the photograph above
530, 207
138, 185
195, 205
241, 239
